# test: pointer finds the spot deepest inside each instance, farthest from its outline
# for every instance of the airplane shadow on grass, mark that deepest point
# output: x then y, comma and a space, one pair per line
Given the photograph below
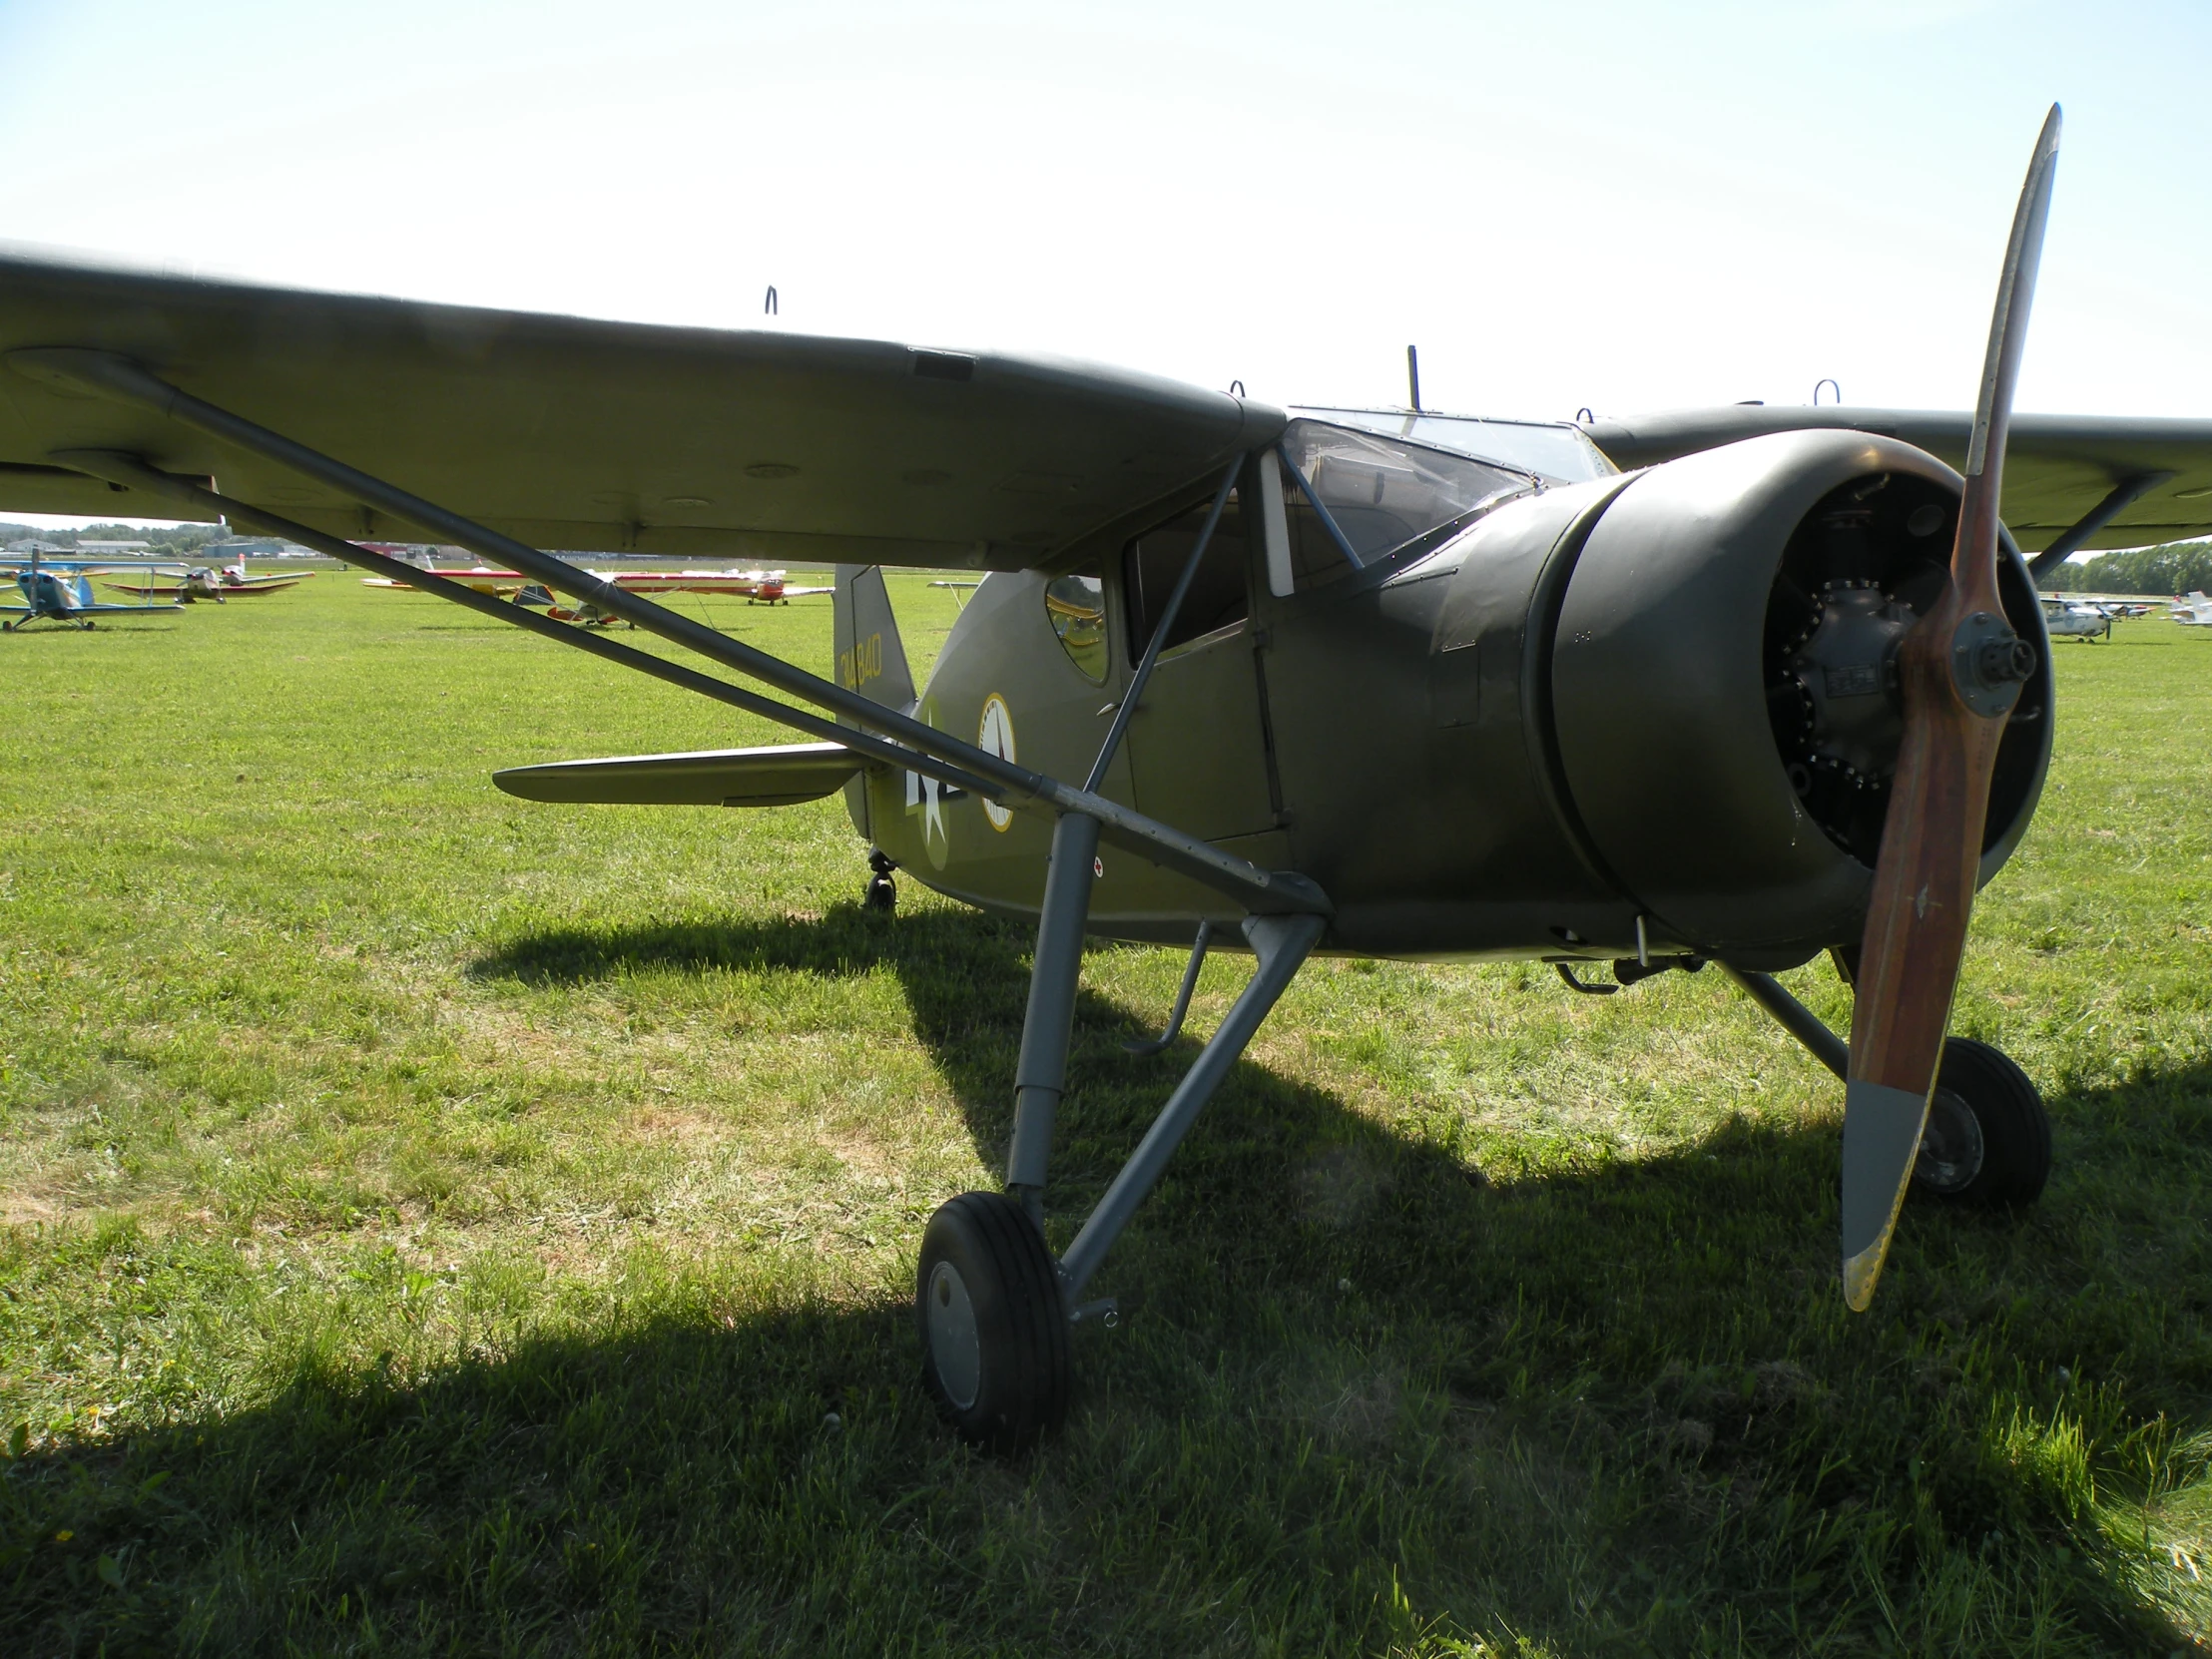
1360, 1395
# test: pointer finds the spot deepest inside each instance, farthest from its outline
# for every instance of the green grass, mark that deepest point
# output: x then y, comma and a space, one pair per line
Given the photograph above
439, 1223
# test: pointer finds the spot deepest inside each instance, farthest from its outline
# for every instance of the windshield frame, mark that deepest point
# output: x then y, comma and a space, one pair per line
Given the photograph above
1421, 543
1393, 424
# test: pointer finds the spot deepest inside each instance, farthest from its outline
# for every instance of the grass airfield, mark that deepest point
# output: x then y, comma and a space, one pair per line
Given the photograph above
439, 1223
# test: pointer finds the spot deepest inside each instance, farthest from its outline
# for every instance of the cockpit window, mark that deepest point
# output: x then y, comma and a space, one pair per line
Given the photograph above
1075, 605
1554, 451
1382, 492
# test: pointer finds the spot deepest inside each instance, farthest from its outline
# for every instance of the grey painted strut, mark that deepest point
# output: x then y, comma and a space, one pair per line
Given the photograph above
1040, 1076
107, 374
1796, 1019
128, 470
1320, 508
1282, 945
2125, 493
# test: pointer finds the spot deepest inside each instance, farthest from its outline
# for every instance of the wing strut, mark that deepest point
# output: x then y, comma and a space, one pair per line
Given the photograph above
134, 473
1320, 509
2125, 493
105, 374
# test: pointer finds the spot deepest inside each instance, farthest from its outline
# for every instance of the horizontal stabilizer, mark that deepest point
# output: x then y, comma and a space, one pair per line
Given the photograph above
774, 776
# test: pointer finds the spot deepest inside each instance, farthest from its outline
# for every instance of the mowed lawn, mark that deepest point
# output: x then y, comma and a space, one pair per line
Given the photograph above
437, 1222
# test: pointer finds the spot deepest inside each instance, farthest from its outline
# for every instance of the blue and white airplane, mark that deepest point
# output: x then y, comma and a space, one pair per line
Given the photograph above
61, 591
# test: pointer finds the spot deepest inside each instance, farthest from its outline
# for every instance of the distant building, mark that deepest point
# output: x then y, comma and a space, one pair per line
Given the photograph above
251, 547
108, 549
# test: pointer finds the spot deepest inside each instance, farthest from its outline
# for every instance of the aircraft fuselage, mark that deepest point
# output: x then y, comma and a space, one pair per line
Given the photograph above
1552, 732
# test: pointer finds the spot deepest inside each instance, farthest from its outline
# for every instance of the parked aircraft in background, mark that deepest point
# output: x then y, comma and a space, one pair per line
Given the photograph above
2193, 610
763, 587
59, 590
216, 582
2075, 618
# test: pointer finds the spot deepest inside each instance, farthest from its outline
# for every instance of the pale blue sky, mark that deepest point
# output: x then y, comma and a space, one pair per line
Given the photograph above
1619, 206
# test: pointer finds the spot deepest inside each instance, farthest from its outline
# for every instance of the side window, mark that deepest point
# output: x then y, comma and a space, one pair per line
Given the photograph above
1075, 605
1217, 596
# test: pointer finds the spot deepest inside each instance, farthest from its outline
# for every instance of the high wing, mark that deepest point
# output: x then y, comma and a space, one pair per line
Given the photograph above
773, 777
568, 432
2058, 470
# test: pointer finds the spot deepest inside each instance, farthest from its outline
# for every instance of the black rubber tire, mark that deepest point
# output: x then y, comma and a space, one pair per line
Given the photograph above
1022, 1373
882, 894
2011, 1161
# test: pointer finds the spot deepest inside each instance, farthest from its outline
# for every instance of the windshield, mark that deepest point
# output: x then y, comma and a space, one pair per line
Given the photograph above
1558, 454
1382, 492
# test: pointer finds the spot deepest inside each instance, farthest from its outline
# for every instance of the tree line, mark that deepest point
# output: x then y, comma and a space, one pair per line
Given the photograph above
2176, 567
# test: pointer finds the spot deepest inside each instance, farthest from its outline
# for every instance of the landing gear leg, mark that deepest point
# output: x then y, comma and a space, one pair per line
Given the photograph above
882, 893
996, 1377
1987, 1144
1040, 1075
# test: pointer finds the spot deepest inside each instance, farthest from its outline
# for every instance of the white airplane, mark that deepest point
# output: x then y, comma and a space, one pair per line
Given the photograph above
2194, 611
2077, 619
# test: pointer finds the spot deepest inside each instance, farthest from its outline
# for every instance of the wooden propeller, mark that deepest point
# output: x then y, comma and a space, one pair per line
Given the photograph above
1960, 671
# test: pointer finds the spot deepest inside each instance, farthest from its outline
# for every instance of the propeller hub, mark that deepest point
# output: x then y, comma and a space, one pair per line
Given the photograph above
1989, 664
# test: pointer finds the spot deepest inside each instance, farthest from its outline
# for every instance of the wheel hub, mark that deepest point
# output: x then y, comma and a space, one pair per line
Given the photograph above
955, 1349
1950, 1145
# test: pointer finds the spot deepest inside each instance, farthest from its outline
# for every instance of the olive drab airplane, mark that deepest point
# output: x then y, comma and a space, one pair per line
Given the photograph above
1734, 687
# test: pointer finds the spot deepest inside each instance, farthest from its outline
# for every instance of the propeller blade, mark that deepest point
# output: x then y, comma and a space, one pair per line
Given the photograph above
1961, 668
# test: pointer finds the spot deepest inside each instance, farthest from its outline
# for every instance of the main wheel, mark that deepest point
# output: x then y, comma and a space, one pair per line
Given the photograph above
994, 1337
1988, 1140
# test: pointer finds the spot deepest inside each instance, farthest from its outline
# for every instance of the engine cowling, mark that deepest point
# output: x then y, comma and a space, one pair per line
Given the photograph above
1724, 714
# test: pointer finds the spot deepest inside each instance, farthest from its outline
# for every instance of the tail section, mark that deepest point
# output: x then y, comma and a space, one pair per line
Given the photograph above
871, 658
